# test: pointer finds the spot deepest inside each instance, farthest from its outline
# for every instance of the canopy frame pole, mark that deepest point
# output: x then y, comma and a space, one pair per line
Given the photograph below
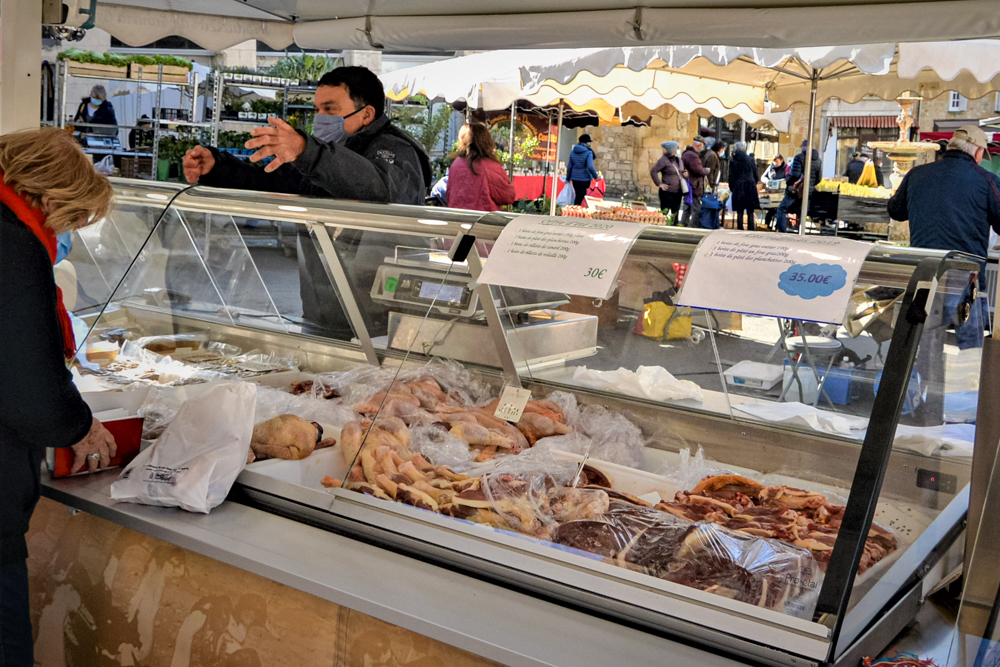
807, 169
510, 147
555, 165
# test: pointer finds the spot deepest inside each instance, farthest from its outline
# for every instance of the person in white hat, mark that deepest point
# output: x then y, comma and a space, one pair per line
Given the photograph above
951, 205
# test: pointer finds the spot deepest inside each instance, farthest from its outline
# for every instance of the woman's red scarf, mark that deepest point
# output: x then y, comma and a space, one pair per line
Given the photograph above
34, 219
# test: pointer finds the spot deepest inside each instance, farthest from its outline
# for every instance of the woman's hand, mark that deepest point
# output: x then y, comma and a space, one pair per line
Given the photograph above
685, 174
95, 450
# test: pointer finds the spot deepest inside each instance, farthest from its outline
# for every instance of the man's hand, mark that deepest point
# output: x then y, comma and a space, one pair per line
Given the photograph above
97, 441
663, 186
197, 162
280, 140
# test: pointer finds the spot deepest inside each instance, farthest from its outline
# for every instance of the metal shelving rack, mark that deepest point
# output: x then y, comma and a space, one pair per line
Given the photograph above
157, 123
219, 85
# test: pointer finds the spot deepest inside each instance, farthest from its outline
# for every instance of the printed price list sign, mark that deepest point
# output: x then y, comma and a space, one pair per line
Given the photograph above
572, 255
512, 403
776, 275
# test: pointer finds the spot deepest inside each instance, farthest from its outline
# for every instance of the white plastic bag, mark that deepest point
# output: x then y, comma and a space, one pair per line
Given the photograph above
567, 195
652, 382
106, 166
196, 460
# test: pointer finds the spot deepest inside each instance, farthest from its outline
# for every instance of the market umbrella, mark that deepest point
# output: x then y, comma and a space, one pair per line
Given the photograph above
765, 79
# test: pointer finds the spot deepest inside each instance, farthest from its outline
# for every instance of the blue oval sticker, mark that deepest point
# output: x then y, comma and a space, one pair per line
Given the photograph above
809, 281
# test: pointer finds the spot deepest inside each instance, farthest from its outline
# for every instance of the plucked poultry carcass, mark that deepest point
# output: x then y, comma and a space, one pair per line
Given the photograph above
287, 437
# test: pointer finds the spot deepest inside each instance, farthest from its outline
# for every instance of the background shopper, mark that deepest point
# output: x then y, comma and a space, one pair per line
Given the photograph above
580, 171
792, 203
743, 184
96, 109
39, 405
776, 171
666, 175
477, 181
695, 172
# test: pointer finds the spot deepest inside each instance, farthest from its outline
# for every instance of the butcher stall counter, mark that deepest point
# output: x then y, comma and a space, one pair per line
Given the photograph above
648, 502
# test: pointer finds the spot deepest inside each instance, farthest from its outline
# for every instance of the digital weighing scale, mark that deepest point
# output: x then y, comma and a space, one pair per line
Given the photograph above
418, 279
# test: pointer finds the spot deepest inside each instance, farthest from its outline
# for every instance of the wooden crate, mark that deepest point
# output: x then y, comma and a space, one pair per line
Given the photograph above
91, 69
171, 74
137, 167
863, 209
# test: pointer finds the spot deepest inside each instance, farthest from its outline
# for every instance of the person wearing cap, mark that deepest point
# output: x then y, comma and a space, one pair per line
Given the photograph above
695, 172
666, 175
951, 205
855, 167
580, 170
792, 203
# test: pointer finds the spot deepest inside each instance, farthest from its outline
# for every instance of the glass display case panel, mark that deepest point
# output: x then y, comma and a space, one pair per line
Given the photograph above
102, 252
594, 492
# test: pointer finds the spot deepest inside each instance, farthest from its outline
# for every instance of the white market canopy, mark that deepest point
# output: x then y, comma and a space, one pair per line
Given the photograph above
493, 81
448, 25
768, 79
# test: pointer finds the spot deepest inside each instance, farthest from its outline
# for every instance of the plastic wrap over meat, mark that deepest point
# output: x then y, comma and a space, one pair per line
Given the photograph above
759, 571
360, 383
274, 402
440, 447
536, 504
602, 433
691, 469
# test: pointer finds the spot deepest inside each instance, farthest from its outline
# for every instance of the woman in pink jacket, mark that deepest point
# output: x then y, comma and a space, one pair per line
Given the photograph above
477, 181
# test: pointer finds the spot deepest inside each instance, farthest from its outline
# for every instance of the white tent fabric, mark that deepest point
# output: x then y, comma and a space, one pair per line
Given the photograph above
492, 81
138, 25
979, 58
497, 24
751, 76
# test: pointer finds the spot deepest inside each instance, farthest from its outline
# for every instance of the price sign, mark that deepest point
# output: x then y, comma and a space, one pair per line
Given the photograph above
777, 275
512, 402
572, 255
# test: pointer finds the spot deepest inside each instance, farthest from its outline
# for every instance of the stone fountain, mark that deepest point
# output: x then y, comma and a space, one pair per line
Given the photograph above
903, 154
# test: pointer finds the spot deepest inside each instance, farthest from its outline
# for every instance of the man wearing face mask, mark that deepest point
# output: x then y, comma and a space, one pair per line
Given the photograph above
354, 153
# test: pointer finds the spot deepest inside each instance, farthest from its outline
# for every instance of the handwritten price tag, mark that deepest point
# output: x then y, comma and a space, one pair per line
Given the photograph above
512, 402
571, 255
803, 278
810, 281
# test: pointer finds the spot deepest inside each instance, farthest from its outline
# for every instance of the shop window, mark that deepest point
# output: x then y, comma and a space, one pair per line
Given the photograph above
956, 102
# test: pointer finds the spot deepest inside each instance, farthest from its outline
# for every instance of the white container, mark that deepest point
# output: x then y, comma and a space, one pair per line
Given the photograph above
753, 374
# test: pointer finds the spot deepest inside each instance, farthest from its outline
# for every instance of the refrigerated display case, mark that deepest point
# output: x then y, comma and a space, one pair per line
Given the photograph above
835, 494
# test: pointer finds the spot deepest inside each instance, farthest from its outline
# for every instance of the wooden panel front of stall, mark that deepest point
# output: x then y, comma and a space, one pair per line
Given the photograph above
102, 594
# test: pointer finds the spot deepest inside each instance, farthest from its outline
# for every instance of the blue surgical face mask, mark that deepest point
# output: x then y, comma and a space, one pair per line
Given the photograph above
96, 102
329, 129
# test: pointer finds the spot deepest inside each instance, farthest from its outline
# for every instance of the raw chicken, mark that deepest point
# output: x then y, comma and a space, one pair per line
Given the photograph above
287, 437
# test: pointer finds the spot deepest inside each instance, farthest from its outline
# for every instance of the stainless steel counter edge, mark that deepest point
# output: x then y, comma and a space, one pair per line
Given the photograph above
491, 621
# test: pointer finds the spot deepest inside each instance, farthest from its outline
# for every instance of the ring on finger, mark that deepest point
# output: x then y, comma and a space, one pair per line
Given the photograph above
95, 457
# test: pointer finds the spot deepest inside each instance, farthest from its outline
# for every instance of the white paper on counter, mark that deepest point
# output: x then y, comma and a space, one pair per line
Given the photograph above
801, 414
652, 382
561, 254
955, 440
775, 275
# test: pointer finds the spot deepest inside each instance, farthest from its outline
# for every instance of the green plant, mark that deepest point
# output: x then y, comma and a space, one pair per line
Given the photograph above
426, 125
122, 60
523, 151
232, 139
303, 67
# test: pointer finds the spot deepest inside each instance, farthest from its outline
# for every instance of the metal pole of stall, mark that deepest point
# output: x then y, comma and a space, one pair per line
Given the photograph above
555, 166
510, 147
807, 169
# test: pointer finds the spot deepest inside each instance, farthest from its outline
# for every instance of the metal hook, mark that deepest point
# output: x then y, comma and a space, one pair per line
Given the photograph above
637, 25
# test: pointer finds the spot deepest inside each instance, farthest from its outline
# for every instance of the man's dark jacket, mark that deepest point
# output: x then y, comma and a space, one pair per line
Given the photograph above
380, 164
39, 404
799, 168
951, 204
854, 169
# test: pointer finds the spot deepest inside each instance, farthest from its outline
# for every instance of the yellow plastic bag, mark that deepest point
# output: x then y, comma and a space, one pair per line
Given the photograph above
868, 178
657, 314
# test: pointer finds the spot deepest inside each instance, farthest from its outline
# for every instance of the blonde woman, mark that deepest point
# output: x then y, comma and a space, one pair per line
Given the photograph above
48, 187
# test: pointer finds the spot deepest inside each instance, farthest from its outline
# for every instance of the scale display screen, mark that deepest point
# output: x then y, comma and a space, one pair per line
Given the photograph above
447, 293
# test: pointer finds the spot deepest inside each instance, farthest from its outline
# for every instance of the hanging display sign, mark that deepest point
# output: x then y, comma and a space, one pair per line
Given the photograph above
556, 254
776, 275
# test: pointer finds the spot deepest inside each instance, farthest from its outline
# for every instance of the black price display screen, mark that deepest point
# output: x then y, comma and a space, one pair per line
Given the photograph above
446, 293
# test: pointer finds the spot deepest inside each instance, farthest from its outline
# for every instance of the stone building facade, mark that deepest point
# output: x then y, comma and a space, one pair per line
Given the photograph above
624, 155
936, 115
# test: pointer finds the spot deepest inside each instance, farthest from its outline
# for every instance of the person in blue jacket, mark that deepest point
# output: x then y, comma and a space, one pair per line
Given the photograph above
951, 205
580, 171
